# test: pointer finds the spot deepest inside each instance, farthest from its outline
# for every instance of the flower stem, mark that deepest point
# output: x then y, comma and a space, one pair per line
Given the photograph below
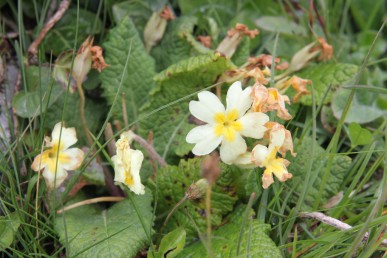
82, 112
90, 201
208, 218
149, 148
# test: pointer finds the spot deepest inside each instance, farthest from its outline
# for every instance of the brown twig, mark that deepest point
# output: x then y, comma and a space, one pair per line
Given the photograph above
149, 148
64, 5
334, 223
111, 146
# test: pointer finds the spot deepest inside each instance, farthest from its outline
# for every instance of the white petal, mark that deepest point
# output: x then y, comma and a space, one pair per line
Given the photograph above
211, 101
52, 180
119, 169
207, 145
260, 153
206, 107
75, 157
277, 137
245, 101
200, 133
38, 165
67, 138
201, 112
253, 124
233, 94
136, 160
244, 161
238, 99
229, 151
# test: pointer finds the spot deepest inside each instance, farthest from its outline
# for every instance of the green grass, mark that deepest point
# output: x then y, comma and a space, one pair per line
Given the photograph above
25, 200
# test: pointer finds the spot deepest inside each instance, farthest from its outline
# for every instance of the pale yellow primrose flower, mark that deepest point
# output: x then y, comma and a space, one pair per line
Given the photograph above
266, 157
58, 158
127, 164
225, 126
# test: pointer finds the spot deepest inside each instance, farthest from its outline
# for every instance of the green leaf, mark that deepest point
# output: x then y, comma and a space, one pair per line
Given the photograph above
172, 183
280, 24
242, 52
171, 244
122, 41
222, 11
39, 83
174, 46
323, 75
171, 124
62, 36
90, 231
8, 227
247, 183
94, 111
224, 240
364, 108
299, 165
138, 11
358, 135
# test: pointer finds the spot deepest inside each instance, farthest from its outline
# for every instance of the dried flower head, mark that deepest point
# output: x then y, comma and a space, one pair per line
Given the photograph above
297, 83
269, 99
205, 41
97, 58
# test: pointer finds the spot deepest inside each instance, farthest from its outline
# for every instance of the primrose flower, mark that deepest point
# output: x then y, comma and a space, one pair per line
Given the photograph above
225, 126
127, 164
276, 130
58, 158
269, 99
266, 157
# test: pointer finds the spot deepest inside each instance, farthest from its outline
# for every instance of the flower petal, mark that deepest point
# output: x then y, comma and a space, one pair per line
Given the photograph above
238, 99
229, 151
38, 164
206, 145
200, 133
73, 158
244, 161
207, 106
211, 101
259, 154
67, 138
119, 169
136, 160
253, 124
267, 179
53, 181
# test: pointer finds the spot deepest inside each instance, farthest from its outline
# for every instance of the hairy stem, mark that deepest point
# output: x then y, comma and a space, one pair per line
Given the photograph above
82, 112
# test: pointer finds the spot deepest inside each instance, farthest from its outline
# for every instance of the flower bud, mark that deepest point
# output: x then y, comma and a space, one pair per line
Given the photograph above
197, 189
83, 60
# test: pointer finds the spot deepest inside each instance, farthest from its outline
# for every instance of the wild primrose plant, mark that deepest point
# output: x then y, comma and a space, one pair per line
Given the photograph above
192, 129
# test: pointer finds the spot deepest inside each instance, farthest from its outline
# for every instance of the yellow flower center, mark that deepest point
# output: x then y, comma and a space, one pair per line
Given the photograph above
50, 157
227, 125
129, 178
273, 164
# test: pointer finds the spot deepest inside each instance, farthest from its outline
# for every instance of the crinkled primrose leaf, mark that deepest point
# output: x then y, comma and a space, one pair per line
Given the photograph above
90, 231
171, 124
173, 181
122, 41
322, 75
298, 168
224, 240
175, 45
